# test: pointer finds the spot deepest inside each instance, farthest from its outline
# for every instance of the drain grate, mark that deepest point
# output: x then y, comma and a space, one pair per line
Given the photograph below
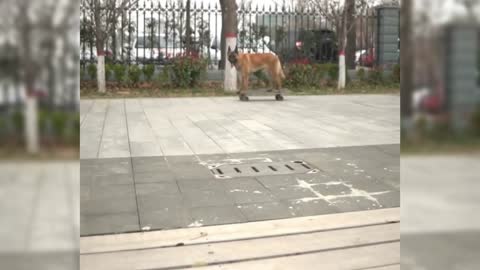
262, 168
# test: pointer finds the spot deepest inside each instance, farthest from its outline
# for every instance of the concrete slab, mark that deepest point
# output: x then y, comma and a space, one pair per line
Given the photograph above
216, 215
170, 192
108, 223
265, 211
165, 217
196, 126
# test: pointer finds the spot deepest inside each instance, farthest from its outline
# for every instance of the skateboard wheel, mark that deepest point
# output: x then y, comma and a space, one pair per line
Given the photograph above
243, 97
279, 97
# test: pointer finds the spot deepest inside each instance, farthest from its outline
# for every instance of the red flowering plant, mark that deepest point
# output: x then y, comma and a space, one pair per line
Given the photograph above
186, 70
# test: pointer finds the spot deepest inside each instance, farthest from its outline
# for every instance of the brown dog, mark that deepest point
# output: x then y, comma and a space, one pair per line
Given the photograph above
247, 63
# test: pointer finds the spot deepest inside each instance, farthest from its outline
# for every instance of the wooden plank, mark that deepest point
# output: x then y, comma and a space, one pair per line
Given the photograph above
364, 258
328, 237
253, 250
231, 232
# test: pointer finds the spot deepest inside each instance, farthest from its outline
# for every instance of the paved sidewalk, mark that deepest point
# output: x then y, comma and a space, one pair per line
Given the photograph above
221, 125
156, 193
440, 201
39, 209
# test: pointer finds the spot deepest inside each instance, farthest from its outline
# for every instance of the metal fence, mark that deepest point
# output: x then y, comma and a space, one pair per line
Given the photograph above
156, 33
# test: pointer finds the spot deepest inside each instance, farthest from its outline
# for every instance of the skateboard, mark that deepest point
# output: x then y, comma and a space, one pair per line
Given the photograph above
243, 97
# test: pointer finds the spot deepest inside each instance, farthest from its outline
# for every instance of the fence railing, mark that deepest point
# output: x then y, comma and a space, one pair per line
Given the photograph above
156, 33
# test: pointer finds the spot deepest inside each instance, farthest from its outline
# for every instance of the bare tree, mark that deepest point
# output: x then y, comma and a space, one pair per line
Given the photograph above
105, 14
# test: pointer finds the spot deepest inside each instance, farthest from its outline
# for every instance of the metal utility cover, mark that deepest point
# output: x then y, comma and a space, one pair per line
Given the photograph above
262, 168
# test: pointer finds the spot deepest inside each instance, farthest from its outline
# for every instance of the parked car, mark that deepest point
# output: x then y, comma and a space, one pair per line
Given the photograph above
158, 48
426, 100
365, 58
313, 46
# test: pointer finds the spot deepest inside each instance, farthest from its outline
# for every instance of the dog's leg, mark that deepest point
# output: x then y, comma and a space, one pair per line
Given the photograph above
243, 89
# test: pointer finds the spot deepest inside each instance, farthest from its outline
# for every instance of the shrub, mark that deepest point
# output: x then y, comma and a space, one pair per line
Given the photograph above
361, 75
92, 71
186, 71
310, 75
108, 71
134, 73
148, 71
396, 73
298, 75
332, 71
82, 73
18, 121
475, 121
375, 76
119, 71
59, 120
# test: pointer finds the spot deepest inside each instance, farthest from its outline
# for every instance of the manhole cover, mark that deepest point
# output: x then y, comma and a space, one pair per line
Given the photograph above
262, 168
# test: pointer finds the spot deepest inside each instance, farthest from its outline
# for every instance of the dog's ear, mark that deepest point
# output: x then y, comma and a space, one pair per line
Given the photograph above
229, 50
236, 49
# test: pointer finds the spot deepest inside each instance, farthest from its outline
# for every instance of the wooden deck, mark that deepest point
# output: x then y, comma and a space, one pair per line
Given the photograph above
355, 240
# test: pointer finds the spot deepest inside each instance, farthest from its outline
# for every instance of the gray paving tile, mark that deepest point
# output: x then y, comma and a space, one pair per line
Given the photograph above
149, 164
112, 191
247, 190
209, 197
154, 177
388, 200
370, 185
111, 179
156, 200
108, 206
168, 188
265, 211
310, 208
191, 172
277, 180
108, 223
290, 192
165, 218
350, 204
201, 184
216, 215
327, 190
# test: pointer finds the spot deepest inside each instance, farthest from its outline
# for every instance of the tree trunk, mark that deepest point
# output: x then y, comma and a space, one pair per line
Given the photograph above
31, 124
342, 69
230, 83
101, 80
221, 64
101, 73
30, 112
406, 63
229, 29
100, 42
352, 34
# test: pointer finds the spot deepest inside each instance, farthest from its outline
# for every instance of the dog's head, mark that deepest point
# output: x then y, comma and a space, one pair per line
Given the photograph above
232, 56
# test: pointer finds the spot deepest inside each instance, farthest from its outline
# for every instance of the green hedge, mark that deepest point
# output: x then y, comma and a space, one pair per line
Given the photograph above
310, 75
185, 71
